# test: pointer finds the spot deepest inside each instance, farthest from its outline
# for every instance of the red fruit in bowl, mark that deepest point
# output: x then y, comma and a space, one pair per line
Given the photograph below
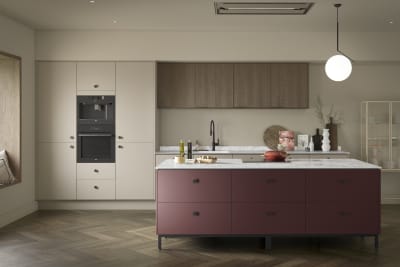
275, 155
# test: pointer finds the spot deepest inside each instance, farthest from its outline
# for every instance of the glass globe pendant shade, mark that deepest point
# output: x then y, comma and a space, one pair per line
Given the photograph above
338, 68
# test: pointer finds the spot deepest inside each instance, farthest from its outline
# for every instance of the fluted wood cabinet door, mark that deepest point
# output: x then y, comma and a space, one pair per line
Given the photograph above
55, 101
289, 85
175, 85
135, 102
214, 85
134, 171
56, 171
252, 87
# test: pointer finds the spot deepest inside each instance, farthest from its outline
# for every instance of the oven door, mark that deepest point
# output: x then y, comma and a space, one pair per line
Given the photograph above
96, 147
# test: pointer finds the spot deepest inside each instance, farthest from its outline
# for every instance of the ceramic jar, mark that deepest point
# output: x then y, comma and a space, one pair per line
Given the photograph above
325, 140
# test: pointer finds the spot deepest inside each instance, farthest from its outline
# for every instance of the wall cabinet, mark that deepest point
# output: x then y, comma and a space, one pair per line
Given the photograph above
175, 85
380, 133
232, 85
213, 85
95, 76
56, 171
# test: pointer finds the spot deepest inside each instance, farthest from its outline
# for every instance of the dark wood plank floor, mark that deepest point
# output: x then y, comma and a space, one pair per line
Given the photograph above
127, 238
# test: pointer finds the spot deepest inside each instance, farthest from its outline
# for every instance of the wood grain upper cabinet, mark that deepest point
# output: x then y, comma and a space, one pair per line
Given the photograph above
252, 85
56, 101
289, 85
96, 76
175, 85
135, 98
213, 85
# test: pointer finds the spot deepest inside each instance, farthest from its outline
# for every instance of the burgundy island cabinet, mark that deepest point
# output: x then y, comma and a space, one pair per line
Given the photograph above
304, 198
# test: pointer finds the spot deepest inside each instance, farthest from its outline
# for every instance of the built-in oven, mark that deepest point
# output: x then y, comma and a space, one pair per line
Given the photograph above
95, 109
96, 144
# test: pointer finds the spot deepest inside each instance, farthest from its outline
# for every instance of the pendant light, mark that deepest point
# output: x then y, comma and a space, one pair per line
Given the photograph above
338, 67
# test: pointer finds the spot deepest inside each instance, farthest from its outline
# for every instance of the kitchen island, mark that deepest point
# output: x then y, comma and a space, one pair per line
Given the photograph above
304, 198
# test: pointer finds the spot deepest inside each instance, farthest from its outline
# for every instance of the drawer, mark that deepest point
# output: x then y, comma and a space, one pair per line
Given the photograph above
343, 186
268, 186
249, 157
193, 186
297, 156
260, 218
193, 218
95, 170
343, 218
95, 189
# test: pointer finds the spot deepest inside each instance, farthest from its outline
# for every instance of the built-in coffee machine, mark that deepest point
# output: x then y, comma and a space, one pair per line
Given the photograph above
96, 128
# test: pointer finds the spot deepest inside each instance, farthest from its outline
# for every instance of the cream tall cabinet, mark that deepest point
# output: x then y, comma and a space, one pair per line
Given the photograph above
58, 84
56, 130
135, 130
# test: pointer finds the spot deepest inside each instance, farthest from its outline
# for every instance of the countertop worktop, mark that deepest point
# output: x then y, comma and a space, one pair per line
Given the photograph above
174, 150
296, 164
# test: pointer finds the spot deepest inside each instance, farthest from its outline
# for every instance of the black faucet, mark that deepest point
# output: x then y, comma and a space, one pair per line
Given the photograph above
212, 133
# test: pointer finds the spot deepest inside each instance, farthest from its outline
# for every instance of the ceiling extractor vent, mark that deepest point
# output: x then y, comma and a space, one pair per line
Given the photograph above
262, 8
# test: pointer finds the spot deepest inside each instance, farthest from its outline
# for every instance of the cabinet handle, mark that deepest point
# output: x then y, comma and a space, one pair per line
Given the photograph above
96, 170
344, 213
120, 137
341, 181
270, 180
271, 213
196, 181
96, 187
196, 213
71, 146
96, 86
120, 146
71, 137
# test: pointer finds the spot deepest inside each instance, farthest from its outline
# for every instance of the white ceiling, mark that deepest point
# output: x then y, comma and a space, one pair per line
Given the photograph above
198, 15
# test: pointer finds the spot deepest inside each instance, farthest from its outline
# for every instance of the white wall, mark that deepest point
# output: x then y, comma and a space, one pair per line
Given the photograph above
19, 200
375, 77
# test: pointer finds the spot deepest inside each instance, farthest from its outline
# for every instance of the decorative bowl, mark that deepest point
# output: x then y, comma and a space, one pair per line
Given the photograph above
274, 155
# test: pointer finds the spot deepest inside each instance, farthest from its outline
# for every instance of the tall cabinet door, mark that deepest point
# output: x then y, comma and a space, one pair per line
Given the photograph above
56, 171
135, 171
135, 102
55, 101
135, 130
96, 76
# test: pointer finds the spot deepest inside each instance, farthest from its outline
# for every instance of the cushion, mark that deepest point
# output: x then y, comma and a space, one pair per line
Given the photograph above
6, 176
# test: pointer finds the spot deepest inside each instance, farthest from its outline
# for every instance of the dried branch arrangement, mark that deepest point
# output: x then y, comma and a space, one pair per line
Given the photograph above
324, 119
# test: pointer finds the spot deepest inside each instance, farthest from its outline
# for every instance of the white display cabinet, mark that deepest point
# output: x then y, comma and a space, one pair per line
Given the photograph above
380, 133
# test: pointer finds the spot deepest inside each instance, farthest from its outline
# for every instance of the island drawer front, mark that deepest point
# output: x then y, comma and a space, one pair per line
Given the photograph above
193, 218
193, 186
268, 186
95, 170
343, 219
95, 189
343, 186
261, 218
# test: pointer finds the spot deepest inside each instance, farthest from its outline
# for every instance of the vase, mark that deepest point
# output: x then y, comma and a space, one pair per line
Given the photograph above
332, 134
317, 140
325, 140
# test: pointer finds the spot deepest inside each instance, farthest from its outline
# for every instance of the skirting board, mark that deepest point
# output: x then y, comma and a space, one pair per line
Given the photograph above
97, 205
17, 213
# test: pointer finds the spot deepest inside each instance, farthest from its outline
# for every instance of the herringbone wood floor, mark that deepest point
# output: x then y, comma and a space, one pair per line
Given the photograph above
127, 238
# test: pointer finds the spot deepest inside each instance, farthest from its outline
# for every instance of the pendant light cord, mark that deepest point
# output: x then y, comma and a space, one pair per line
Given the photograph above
337, 26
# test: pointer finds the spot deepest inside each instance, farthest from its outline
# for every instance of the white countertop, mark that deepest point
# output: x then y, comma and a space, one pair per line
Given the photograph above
174, 150
296, 164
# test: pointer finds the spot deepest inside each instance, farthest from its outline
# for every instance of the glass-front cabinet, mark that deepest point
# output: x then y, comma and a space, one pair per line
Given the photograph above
380, 133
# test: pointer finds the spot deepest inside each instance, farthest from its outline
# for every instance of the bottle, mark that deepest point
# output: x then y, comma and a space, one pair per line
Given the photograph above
311, 145
181, 148
189, 149
317, 140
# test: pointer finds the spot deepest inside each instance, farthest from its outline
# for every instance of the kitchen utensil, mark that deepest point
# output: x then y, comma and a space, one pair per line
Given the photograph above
274, 155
